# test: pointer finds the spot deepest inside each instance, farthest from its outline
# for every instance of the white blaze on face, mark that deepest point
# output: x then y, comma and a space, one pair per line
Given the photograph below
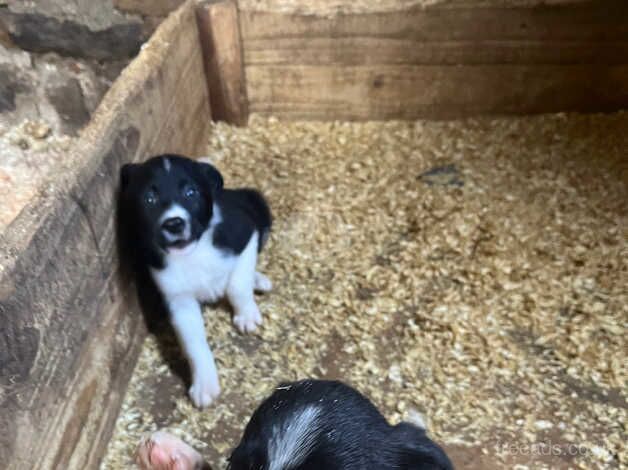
167, 165
294, 440
175, 210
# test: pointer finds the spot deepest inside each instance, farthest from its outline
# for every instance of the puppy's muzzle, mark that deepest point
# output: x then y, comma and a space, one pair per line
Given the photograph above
173, 226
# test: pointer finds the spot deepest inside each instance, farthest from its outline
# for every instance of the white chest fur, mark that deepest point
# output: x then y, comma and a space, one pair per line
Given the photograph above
202, 272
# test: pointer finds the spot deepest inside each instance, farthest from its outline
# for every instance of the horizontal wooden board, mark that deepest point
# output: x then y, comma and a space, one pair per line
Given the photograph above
71, 327
596, 20
445, 60
409, 92
327, 8
364, 50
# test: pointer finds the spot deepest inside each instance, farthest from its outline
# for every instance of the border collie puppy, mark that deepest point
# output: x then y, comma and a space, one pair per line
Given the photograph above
200, 243
316, 424
310, 425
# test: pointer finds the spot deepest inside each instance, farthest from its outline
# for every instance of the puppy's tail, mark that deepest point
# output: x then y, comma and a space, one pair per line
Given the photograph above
415, 451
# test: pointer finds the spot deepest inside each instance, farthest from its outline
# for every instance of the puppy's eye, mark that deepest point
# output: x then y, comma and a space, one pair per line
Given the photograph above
151, 198
190, 192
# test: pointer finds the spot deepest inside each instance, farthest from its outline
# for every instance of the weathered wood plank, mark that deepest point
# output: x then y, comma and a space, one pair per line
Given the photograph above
594, 20
364, 50
71, 328
410, 92
220, 39
445, 60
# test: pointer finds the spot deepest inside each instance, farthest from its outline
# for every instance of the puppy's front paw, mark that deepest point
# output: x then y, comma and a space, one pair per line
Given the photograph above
262, 283
204, 391
163, 451
247, 320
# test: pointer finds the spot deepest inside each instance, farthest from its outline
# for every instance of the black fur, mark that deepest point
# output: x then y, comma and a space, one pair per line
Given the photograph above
242, 210
350, 433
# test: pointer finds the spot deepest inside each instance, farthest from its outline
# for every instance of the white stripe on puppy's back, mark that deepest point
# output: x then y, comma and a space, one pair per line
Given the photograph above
293, 440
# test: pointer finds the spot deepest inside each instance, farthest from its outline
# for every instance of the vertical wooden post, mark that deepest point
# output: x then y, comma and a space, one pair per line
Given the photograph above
219, 31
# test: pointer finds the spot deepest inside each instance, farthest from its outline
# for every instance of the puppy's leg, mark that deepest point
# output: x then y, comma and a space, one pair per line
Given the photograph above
187, 320
246, 315
262, 283
163, 451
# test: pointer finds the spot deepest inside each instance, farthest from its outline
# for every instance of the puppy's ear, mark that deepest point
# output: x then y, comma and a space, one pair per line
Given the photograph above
247, 455
415, 451
211, 177
126, 173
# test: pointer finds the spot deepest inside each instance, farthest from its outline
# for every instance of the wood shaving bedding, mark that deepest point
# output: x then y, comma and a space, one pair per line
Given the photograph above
475, 271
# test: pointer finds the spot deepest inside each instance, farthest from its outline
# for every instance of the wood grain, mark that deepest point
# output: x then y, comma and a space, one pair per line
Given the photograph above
440, 92
592, 20
439, 61
365, 50
71, 327
222, 51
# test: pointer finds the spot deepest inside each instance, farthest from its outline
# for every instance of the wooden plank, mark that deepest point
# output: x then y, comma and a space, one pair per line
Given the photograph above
444, 60
222, 51
71, 327
593, 20
411, 92
363, 50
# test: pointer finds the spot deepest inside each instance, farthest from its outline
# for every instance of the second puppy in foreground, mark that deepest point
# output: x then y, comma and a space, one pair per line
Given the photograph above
318, 424
200, 243
310, 425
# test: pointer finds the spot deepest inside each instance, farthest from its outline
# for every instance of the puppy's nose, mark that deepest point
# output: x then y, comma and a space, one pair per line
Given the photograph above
173, 225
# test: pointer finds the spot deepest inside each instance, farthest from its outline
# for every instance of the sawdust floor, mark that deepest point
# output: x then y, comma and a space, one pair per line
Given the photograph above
475, 271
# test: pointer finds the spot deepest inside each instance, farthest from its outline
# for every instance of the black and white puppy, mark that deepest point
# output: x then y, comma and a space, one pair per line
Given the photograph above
200, 243
310, 425
316, 424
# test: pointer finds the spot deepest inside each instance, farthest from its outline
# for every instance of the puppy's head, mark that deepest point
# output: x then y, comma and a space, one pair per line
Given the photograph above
168, 201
